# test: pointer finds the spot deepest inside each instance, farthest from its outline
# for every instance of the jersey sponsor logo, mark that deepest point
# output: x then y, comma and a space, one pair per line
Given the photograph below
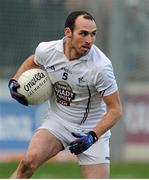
64, 93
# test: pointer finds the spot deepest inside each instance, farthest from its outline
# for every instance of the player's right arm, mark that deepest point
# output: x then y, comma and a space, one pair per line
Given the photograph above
13, 84
29, 63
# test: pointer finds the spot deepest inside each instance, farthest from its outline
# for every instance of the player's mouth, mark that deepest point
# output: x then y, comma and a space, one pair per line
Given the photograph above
86, 48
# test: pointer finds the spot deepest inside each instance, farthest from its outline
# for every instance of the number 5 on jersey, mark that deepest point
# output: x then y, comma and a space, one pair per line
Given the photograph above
65, 76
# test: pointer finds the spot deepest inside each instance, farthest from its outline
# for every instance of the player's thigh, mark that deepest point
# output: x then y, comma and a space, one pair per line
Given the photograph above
96, 171
43, 146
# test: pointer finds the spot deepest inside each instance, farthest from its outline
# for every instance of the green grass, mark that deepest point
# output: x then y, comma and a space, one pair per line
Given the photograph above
71, 170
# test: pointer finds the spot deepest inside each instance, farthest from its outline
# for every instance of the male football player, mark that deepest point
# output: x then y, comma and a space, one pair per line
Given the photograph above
85, 104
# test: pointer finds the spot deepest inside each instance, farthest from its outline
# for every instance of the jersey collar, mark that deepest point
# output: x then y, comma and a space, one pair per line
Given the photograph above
60, 48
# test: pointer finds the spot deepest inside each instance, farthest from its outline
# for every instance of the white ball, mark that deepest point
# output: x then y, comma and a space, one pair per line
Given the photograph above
35, 85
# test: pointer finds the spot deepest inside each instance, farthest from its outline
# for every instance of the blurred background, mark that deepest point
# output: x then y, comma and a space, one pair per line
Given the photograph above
123, 35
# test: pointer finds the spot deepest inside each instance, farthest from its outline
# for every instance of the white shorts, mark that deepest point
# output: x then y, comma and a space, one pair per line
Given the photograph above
96, 154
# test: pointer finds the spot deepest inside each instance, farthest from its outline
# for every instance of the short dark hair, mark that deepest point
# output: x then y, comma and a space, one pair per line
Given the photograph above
70, 21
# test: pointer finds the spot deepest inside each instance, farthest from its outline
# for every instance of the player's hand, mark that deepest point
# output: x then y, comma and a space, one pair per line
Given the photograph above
13, 86
83, 142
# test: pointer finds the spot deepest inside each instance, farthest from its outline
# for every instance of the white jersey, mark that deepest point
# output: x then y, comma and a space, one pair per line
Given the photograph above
78, 85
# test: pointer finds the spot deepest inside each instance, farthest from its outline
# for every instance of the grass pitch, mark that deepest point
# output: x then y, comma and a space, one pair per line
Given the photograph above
71, 170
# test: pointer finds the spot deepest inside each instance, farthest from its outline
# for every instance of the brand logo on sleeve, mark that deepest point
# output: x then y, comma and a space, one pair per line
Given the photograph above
51, 68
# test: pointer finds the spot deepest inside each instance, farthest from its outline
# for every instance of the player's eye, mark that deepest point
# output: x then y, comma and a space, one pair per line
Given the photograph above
84, 33
93, 33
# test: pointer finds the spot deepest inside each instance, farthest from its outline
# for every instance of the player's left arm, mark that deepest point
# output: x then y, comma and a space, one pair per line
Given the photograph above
114, 112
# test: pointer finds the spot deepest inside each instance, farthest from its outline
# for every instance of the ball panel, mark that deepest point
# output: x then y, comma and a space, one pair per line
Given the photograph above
35, 85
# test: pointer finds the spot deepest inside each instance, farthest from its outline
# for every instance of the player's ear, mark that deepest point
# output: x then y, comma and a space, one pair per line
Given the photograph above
68, 32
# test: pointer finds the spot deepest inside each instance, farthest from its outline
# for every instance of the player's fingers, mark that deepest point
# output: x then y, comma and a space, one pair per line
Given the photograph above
23, 101
76, 135
78, 146
78, 150
20, 98
76, 142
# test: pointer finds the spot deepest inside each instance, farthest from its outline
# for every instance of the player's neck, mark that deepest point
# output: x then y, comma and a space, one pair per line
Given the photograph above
69, 51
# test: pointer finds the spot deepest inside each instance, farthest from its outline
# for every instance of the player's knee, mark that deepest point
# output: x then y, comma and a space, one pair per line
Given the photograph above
29, 164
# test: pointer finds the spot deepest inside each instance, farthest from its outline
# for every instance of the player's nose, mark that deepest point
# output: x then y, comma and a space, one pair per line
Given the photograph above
89, 39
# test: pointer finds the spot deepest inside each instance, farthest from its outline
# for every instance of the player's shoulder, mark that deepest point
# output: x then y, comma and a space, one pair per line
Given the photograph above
98, 57
47, 46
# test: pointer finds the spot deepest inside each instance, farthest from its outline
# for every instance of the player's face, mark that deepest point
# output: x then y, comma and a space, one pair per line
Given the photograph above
83, 36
